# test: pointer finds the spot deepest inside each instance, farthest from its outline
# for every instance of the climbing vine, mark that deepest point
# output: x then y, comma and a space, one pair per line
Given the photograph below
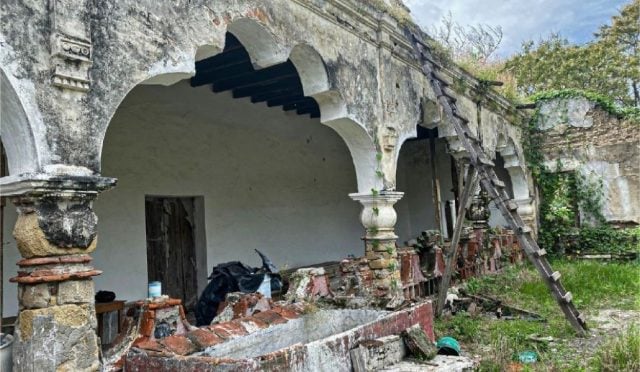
631, 113
571, 202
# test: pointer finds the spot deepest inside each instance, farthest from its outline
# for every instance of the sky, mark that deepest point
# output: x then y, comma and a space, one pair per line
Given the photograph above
522, 20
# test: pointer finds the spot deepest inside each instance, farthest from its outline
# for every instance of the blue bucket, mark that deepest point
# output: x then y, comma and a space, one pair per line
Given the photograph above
155, 289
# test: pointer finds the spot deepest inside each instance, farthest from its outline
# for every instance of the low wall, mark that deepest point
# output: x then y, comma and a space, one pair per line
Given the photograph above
327, 354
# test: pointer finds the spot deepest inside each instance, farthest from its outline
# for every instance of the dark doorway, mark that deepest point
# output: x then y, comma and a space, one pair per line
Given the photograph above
171, 246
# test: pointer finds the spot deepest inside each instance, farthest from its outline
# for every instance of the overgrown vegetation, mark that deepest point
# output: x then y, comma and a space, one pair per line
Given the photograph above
571, 202
619, 354
595, 286
604, 102
608, 65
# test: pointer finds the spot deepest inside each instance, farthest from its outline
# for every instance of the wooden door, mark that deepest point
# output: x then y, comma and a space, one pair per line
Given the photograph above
171, 252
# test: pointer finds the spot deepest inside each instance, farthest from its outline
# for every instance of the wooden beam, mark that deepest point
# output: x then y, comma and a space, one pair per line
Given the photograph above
209, 76
307, 109
292, 83
274, 95
294, 105
223, 59
263, 76
298, 98
450, 254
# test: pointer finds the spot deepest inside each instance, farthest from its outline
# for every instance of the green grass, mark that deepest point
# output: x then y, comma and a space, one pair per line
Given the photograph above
595, 285
619, 354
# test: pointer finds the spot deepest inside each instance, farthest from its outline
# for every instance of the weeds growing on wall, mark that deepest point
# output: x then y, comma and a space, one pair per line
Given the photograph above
571, 202
607, 104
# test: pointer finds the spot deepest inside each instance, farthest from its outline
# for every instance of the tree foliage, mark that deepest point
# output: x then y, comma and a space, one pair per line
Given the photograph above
608, 65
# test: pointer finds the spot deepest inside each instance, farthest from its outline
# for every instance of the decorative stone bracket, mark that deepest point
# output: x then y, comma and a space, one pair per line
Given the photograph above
71, 60
71, 51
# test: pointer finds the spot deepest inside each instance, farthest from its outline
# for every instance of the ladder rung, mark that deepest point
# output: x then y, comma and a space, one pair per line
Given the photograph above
440, 78
567, 297
498, 183
450, 98
524, 229
541, 252
581, 318
484, 160
459, 116
511, 205
555, 276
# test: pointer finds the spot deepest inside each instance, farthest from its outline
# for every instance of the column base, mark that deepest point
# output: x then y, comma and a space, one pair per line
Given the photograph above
57, 321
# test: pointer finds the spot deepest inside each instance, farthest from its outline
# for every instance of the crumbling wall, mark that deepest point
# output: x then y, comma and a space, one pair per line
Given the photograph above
580, 136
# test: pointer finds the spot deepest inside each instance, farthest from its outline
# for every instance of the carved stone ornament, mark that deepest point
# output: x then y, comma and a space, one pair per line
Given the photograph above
72, 59
478, 211
389, 139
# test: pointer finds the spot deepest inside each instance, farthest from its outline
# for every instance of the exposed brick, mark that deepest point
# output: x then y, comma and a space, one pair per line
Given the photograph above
147, 344
229, 329
147, 324
203, 338
270, 317
178, 344
285, 312
252, 323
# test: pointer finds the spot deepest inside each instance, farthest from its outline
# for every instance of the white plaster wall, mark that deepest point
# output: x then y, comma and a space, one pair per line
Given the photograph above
270, 180
415, 210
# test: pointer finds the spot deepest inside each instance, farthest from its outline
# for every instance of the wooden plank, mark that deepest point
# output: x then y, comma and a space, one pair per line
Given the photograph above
435, 180
105, 307
465, 199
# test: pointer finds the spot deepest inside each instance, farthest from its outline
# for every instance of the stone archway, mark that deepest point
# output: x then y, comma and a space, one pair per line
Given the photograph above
16, 131
252, 97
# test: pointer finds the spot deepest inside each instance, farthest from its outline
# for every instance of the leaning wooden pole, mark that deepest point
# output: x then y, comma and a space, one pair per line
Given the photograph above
450, 254
435, 181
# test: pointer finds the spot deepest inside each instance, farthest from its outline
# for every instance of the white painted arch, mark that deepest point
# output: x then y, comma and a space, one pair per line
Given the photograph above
265, 51
16, 130
514, 166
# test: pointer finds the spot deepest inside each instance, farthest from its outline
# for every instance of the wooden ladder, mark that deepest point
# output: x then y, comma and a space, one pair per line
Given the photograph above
483, 169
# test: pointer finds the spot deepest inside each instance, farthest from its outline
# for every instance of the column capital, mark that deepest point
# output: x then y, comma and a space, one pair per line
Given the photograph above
55, 213
34, 185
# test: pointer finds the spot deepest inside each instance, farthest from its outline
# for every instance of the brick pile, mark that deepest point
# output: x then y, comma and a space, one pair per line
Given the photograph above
186, 339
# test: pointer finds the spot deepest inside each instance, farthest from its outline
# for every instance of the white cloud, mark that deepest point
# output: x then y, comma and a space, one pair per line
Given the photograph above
522, 19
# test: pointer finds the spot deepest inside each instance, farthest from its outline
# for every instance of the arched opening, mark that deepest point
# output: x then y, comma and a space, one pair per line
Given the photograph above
247, 146
15, 130
496, 218
424, 174
18, 155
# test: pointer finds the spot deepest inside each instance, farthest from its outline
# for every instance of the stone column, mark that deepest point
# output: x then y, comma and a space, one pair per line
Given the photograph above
55, 232
379, 218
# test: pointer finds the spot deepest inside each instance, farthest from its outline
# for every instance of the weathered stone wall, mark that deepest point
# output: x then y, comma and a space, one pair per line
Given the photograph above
67, 65
584, 138
97, 52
